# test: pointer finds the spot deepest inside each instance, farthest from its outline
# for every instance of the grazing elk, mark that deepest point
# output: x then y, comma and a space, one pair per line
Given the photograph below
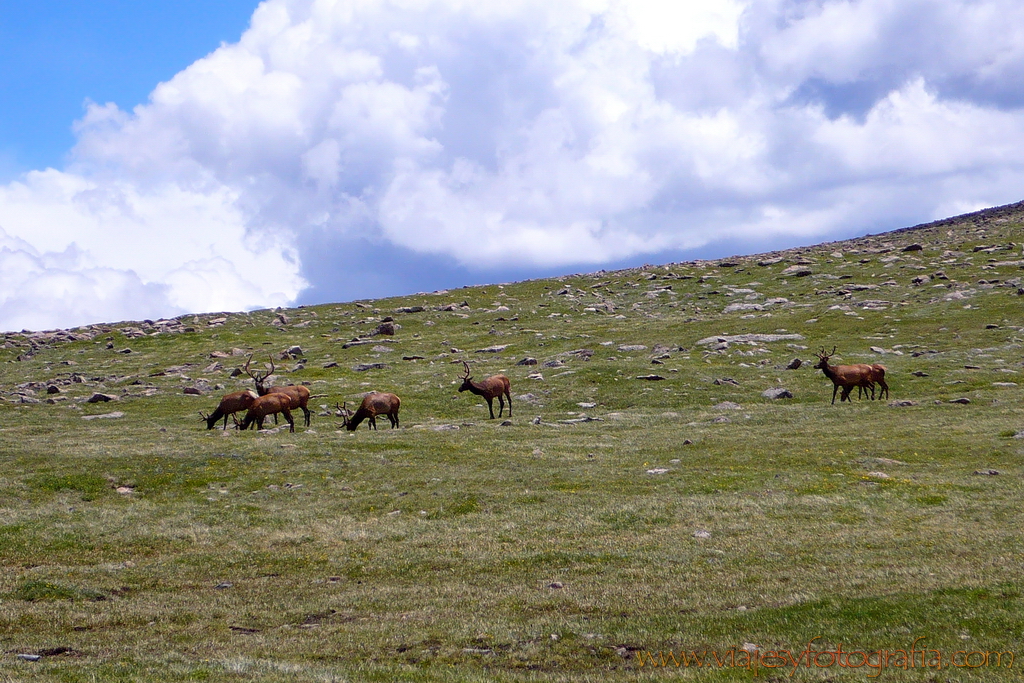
299, 394
845, 376
229, 405
269, 404
491, 387
374, 404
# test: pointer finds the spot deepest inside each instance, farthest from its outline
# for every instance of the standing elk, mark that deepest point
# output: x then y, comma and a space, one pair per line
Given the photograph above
229, 405
878, 375
298, 394
269, 404
847, 376
374, 404
491, 387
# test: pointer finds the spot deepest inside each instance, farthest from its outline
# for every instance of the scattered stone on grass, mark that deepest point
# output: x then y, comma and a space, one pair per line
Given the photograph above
726, 380
794, 364
961, 401
918, 373
192, 391
363, 367
777, 392
506, 423
728, 405
742, 338
625, 348
527, 361
412, 357
878, 475
493, 349
658, 470
701, 533
100, 398
987, 473
587, 405
902, 403
583, 418
652, 378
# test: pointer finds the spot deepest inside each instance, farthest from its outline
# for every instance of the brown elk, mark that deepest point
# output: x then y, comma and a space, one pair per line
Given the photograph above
269, 404
876, 374
845, 376
229, 405
490, 387
299, 394
374, 404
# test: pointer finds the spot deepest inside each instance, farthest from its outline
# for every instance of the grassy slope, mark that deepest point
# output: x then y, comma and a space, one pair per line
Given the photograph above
434, 553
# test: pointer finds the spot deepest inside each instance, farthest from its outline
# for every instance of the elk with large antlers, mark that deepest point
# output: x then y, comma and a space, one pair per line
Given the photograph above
229, 405
269, 404
846, 376
374, 404
298, 394
495, 386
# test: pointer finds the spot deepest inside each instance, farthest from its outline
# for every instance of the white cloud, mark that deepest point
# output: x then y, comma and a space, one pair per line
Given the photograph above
526, 134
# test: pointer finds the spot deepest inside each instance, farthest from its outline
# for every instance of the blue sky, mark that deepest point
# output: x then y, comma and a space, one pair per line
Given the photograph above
59, 54
223, 156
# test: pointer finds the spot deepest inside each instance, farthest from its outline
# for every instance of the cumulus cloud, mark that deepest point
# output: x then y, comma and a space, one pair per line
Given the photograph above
523, 134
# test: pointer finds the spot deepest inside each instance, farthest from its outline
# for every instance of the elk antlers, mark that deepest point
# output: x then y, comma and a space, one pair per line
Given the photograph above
257, 377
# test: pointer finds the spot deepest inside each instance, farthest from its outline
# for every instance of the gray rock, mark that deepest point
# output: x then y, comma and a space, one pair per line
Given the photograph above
741, 338
961, 401
104, 416
363, 367
777, 392
493, 349
192, 391
527, 361
797, 271
652, 378
625, 348
987, 473
726, 380
732, 308
728, 405
100, 398
409, 309
794, 364
388, 328
913, 247
902, 403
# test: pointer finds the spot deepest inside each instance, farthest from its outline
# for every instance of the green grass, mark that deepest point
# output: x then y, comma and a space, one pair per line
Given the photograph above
145, 547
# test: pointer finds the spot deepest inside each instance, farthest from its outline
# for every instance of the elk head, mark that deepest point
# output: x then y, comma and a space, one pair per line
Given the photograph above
467, 381
257, 377
823, 358
343, 412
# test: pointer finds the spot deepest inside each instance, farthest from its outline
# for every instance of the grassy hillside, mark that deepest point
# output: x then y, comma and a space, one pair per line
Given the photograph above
613, 516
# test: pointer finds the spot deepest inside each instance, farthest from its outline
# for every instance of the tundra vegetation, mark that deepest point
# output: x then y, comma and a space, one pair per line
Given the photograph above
684, 510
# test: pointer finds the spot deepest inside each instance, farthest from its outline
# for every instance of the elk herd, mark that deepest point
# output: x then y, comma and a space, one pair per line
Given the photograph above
266, 401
